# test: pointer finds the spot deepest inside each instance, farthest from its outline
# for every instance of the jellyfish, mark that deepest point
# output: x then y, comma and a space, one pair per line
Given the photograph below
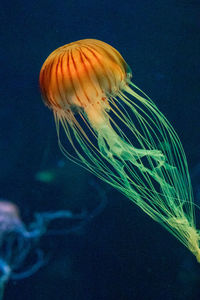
108, 125
16, 243
20, 243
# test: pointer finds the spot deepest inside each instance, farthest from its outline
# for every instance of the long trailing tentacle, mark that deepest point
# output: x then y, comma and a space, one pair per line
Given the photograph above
137, 151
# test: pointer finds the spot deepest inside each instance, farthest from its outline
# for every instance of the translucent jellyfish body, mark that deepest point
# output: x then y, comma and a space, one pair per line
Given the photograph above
117, 132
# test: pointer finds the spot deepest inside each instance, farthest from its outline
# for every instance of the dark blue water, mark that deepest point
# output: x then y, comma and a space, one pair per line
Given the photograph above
122, 254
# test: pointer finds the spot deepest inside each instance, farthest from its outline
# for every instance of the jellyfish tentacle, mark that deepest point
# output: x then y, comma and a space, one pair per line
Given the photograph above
116, 149
30, 269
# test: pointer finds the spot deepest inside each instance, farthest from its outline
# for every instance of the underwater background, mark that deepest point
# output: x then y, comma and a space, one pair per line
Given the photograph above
120, 253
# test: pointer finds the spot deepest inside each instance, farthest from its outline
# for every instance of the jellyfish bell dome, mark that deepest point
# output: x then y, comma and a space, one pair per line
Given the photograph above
81, 74
7, 207
9, 217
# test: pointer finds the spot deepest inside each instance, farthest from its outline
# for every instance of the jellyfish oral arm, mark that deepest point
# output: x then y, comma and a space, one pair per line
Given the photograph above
112, 144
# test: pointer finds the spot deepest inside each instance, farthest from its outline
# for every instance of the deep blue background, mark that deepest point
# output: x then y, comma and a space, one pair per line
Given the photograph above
122, 254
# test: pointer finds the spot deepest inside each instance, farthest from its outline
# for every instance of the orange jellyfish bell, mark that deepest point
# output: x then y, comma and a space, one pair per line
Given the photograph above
81, 74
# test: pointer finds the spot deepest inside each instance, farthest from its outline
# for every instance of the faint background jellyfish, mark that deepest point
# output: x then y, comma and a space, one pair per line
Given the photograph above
14, 245
19, 243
